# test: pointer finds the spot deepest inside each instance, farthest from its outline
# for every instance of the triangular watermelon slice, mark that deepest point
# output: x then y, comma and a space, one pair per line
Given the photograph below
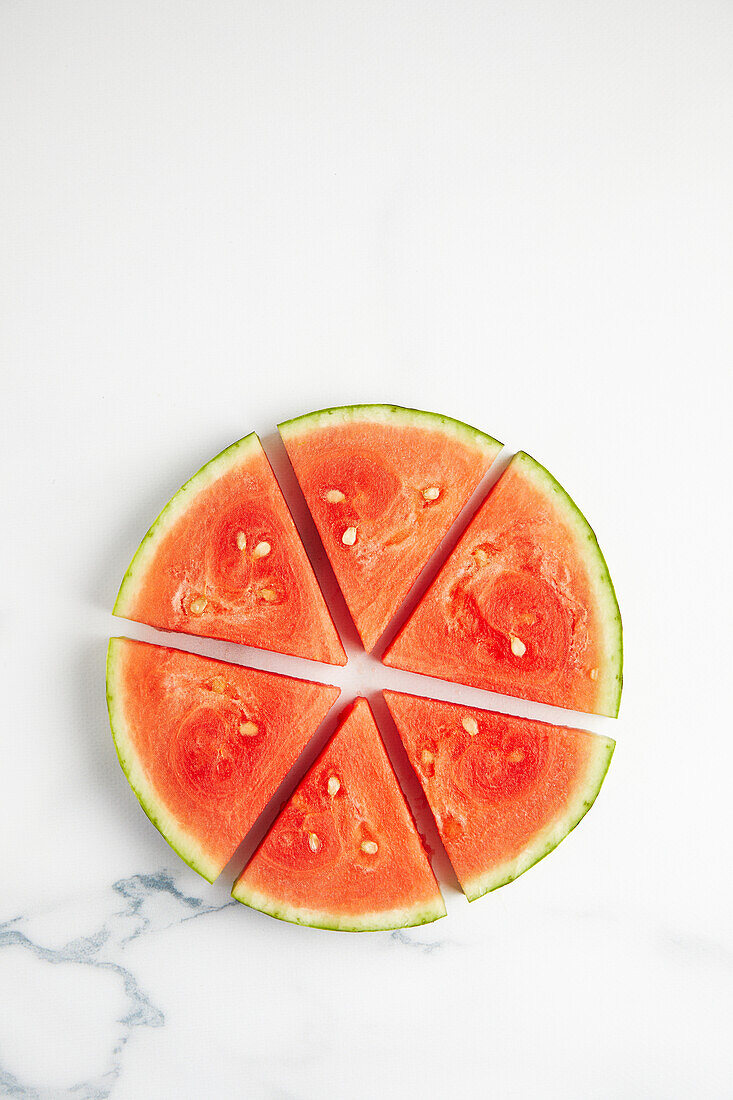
344, 852
524, 605
224, 560
384, 485
504, 791
205, 744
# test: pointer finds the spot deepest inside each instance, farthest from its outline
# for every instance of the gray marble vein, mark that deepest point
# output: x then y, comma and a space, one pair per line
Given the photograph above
140, 905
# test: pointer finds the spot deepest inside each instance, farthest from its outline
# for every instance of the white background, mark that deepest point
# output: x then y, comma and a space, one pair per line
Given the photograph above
216, 215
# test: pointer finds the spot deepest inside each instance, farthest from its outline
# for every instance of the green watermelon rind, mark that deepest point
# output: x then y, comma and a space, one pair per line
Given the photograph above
174, 509
608, 698
390, 414
390, 919
548, 838
170, 829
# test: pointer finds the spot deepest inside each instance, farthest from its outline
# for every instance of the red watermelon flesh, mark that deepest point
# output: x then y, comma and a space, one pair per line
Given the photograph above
384, 485
224, 560
344, 852
205, 744
504, 791
524, 605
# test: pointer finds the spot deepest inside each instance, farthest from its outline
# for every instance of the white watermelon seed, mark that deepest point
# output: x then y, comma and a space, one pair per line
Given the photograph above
247, 729
470, 725
594, 674
349, 536
427, 756
370, 847
334, 786
268, 594
261, 550
335, 496
218, 684
198, 606
313, 842
518, 647
241, 540
432, 493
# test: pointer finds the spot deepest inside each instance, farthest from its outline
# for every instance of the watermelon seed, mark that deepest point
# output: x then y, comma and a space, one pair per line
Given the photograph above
432, 493
218, 684
335, 496
481, 556
198, 606
518, 647
241, 540
268, 594
370, 847
261, 550
470, 725
313, 842
349, 536
427, 756
247, 729
334, 786
594, 674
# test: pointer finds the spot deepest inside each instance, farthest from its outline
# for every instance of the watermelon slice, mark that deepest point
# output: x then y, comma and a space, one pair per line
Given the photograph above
344, 852
524, 605
384, 485
205, 744
504, 791
224, 560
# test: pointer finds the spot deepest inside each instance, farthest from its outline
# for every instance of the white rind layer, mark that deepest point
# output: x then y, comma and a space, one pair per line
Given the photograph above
424, 913
390, 415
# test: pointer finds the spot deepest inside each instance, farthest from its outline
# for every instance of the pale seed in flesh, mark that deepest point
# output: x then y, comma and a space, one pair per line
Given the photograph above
335, 496
198, 606
370, 847
313, 842
518, 647
218, 684
261, 550
432, 493
594, 674
247, 729
334, 786
349, 536
470, 725
269, 595
241, 540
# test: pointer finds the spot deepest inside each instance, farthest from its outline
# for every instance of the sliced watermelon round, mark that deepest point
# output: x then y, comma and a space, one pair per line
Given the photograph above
344, 852
504, 791
383, 484
524, 605
224, 560
205, 744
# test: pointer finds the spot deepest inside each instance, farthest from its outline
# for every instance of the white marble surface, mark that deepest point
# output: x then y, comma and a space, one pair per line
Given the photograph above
218, 215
